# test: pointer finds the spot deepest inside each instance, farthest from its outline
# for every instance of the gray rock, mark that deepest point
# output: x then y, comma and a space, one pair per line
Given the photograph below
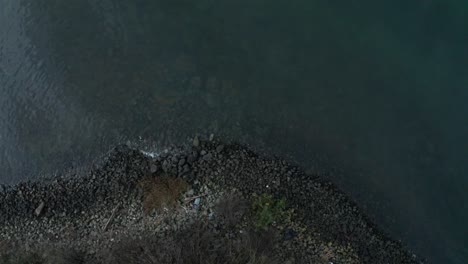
186, 168
153, 168
196, 142
165, 166
208, 156
219, 148
39, 209
191, 159
181, 162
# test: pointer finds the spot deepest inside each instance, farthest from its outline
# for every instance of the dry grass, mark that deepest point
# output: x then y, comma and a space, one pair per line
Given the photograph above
196, 245
161, 191
231, 209
327, 254
44, 255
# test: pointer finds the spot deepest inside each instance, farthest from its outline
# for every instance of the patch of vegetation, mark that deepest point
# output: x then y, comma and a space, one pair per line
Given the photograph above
30, 258
268, 210
42, 256
198, 244
161, 191
231, 209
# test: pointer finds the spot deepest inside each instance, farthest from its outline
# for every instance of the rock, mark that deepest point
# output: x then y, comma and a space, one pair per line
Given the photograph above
196, 203
153, 168
290, 234
219, 148
181, 162
165, 166
203, 152
39, 209
208, 156
186, 168
196, 142
191, 159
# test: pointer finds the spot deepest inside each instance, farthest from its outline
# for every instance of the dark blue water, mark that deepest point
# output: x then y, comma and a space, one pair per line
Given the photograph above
371, 94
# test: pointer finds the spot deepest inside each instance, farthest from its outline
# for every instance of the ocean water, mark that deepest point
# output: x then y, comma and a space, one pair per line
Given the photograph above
371, 94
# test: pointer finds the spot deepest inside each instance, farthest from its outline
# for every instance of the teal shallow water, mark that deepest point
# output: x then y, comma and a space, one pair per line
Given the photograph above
377, 91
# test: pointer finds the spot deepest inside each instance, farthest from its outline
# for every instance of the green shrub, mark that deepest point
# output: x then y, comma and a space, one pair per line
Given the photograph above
267, 211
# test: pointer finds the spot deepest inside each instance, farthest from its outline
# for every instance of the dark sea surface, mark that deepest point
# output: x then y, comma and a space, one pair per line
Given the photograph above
370, 94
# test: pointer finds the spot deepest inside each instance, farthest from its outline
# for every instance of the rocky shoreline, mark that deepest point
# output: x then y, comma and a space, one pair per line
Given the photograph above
115, 214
